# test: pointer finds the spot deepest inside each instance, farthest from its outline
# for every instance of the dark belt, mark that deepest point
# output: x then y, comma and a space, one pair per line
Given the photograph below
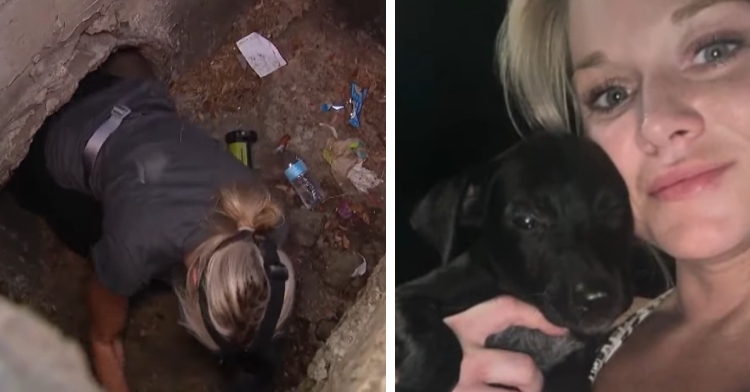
96, 141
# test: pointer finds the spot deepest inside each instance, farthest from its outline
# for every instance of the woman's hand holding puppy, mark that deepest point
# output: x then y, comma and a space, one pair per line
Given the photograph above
481, 367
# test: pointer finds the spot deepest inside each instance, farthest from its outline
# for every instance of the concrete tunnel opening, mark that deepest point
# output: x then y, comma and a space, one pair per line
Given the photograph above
336, 338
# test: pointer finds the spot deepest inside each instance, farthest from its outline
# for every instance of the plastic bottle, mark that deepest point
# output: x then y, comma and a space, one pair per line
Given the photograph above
296, 172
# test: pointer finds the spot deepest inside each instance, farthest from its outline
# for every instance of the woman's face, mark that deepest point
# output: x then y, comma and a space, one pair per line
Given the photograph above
664, 88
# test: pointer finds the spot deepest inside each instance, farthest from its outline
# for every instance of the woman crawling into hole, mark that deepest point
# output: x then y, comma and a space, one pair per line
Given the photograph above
168, 203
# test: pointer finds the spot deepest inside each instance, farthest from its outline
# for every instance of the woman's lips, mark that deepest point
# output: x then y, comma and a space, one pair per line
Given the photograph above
685, 181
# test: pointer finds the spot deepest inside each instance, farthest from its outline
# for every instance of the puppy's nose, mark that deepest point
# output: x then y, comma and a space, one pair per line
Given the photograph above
592, 300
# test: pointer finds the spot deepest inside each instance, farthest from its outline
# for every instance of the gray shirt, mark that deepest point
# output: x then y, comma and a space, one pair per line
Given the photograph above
155, 176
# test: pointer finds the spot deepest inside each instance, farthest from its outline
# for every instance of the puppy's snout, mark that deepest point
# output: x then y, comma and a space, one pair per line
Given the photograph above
592, 301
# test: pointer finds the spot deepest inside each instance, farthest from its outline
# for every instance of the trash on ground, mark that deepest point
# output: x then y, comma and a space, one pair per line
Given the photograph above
359, 150
356, 99
296, 172
361, 211
341, 240
363, 178
332, 128
361, 269
262, 56
344, 210
346, 158
283, 143
341, 156
328, 107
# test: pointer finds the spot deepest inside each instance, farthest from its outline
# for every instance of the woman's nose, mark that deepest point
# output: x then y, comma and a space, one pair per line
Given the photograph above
668, 114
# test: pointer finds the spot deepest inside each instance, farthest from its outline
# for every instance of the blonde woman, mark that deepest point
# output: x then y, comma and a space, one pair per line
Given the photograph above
168, 203
663, 86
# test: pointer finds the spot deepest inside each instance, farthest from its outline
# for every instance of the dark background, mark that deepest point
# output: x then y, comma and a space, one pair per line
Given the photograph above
450, 110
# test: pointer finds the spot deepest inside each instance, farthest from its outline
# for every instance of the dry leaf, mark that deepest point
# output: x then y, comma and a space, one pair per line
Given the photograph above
346, 242
357, 207
365, 217
330, 224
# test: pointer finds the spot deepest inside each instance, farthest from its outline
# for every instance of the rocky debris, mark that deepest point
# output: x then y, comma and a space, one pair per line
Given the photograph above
34, 356
353, 358
340, 267
306, 225
324, 328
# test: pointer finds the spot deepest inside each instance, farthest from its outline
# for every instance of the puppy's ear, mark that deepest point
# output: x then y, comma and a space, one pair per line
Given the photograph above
451, 206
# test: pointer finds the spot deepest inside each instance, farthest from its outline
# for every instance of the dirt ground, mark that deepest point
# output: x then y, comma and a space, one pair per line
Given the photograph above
324, 54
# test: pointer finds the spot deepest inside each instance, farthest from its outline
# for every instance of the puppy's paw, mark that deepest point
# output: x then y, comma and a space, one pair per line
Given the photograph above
428, 354
546, 351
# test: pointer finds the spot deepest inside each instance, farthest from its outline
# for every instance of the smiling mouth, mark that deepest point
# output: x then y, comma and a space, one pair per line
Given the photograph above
676, 186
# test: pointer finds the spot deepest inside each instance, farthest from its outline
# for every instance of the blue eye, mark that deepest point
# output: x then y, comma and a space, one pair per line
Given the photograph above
716, 52
610, 98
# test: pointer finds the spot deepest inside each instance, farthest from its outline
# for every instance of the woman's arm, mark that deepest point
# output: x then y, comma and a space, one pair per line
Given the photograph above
108, 312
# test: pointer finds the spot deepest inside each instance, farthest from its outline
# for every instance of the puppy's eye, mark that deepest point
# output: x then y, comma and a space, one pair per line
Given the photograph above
525, 222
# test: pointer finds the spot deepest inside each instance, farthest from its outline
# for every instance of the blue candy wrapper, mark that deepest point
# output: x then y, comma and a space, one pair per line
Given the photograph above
327, 107
358, 95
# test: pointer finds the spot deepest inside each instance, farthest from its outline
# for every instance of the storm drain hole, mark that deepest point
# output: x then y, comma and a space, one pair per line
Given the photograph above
47, 232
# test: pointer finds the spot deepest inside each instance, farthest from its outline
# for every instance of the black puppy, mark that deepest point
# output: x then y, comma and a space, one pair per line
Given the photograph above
548, 222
